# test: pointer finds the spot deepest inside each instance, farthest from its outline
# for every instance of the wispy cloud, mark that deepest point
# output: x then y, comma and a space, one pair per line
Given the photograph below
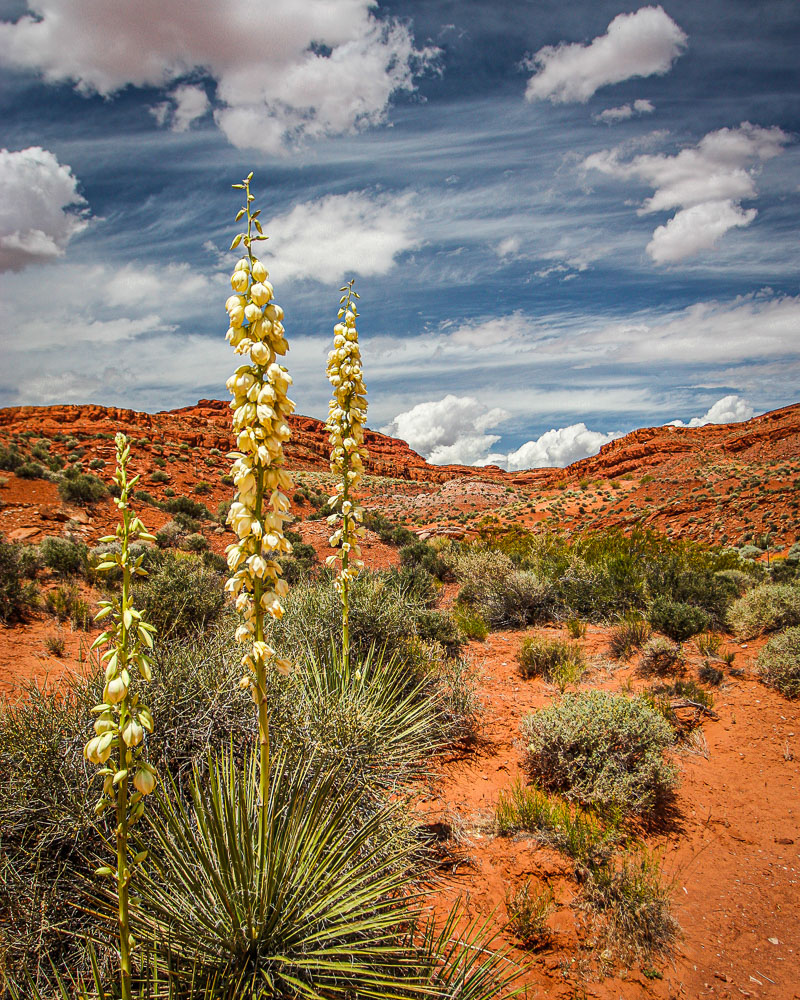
610, 116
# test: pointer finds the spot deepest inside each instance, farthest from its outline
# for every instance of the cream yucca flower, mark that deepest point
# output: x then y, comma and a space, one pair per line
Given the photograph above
347, 413
122, 718
261, 409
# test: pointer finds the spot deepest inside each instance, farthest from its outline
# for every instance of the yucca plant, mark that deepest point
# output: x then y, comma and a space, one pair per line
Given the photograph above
315, 915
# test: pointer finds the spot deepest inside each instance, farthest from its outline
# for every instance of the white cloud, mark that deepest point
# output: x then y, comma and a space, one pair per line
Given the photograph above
727, 410
613, 115
695, 229
508, 247
644, 43
340, 235
706, 182
40, 207
557, 447
186, 104
284, 70
449, 431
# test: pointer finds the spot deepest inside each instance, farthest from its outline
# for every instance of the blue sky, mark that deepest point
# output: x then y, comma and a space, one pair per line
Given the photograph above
565, 220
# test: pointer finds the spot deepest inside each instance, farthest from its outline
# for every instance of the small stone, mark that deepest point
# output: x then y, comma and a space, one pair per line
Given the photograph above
773, 940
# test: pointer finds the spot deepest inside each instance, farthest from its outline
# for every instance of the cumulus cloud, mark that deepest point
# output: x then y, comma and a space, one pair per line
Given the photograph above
613, 115
555, 448
40, 207
731, 409
695, 229
644, 43
187, 104
706, 183
284, 71
341, 234
449, 431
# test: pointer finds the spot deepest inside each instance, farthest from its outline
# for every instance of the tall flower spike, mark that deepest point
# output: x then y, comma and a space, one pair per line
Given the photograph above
261, 408
347, 414
122, 719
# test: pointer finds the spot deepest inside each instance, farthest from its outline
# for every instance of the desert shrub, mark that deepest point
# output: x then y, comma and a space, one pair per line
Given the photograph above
750, 552
628, 635
528, 911
782, 571
66, 603
96, 463
478, 571
31, 470
416, 583
440, 627
303, 561
223, 507
10, 459
81, 487
576, 628
709, 674
632, 897
779, 662
202, 488
382, 617
55, 646
555, 660
17, 597
736, 581
180, 594
419, 553
793, 555
185, 505
64, 556
506, 598
471, 622
602, 750
765, 608
195, 542
660, 656
677, 620
159, 476
170, 535
709, 643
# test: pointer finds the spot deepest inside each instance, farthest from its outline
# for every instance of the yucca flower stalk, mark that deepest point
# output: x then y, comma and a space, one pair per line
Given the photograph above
347, 413
122, 719
261, 408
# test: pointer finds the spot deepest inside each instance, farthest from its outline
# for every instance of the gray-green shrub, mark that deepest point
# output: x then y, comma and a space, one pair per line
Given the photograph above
765, 608
779, 662
602, 750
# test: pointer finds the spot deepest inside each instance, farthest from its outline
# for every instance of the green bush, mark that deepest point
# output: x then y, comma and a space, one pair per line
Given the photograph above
555, 660
159, 476
602, 750
628, 635
10, 459
17, 598
180, 594
195, 542
185, 505
419, 553
31, 470
64, 556
677, 620
471, 623
779, 662
66, 603
81, 488
765, 608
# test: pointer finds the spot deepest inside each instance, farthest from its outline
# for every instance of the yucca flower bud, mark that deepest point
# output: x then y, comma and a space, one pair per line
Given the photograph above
144, 780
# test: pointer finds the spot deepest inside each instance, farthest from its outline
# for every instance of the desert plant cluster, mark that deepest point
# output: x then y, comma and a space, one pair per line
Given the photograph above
222, 804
